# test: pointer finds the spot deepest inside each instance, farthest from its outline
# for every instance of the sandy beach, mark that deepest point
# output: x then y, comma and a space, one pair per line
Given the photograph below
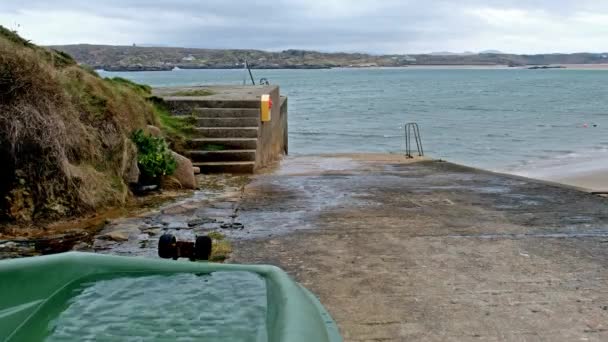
586, 66
596, 181
589, 176
484, 67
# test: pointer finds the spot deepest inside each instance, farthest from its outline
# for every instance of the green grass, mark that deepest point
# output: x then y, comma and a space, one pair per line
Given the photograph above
194, 92
182, 127
142, 89
14, 37
61, 59
216, 236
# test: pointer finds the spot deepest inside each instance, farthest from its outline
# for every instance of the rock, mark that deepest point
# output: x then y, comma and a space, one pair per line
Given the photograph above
132, 175
120, 231
200, 221
129, 168
8, 245
152, 231
235, 225
100, 244
184, 173
197, 170
81, 246
154, 131
119, 235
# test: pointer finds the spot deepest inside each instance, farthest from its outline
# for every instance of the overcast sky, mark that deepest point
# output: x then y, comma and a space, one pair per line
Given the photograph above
376, 26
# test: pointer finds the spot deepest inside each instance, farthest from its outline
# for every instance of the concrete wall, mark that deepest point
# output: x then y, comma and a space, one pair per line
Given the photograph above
272, 135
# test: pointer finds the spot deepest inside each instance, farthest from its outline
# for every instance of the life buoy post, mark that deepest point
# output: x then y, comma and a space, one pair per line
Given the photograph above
265, 108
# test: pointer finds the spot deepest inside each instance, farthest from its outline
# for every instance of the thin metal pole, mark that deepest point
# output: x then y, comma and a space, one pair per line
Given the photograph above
250, 74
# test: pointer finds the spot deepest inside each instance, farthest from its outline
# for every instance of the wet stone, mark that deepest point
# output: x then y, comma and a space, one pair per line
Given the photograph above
201, 221
177, 225
103, 244
152, 231
119, 235
8, 245
235, 226
222, 205
81, 246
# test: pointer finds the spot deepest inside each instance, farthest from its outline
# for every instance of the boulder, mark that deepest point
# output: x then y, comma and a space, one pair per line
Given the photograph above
184, 173
129, 168
197, 170
154, 131
119, 235
132, 175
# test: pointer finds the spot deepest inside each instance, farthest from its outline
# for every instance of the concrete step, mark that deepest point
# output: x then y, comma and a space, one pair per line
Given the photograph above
227, 132
214, 144
193, 102
228, 122
227, 112
219, 156
226, 167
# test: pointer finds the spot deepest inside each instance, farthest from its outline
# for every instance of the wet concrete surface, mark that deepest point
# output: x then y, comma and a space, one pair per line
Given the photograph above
402, 251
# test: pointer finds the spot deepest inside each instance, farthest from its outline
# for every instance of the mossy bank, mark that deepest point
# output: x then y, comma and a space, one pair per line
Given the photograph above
65, 133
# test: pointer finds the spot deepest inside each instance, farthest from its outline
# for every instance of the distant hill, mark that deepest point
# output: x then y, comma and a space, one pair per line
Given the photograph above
126, 58
448, 53
492, 51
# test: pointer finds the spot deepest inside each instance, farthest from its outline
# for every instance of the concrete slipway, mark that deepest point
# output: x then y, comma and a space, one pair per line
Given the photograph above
432, 251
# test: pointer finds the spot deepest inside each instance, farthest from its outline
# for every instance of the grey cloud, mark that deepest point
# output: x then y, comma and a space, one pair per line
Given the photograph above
373, 26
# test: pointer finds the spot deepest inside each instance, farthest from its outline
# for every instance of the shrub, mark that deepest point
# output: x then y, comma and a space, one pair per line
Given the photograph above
154, 157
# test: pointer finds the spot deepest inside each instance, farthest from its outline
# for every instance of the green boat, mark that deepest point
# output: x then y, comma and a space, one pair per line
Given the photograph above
86, 297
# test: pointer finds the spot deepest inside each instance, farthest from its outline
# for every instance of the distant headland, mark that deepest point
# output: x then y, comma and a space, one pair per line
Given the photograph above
140, 58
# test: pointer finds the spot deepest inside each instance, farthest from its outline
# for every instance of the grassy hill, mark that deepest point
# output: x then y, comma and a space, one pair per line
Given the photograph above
163, 58
64, 133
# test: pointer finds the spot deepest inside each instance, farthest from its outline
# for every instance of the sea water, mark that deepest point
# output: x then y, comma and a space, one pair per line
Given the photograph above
512, 120
221, 306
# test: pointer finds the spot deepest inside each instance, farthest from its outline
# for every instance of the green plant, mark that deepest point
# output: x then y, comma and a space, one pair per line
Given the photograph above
193, 92
216, 236
154, 157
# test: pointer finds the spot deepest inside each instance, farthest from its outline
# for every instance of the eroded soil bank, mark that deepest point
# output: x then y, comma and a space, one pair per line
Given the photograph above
433, 251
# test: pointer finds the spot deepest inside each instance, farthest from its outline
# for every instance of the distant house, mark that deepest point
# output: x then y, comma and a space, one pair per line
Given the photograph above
189, 58
407, 59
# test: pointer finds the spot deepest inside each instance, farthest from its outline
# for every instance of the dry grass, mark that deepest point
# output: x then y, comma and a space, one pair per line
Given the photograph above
64, 132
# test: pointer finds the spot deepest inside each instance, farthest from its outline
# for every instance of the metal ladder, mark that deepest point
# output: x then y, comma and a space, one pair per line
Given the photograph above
412, 128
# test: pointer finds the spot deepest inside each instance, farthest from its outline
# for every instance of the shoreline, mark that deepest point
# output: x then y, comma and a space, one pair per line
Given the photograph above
588, 174
593, 181
413, 66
